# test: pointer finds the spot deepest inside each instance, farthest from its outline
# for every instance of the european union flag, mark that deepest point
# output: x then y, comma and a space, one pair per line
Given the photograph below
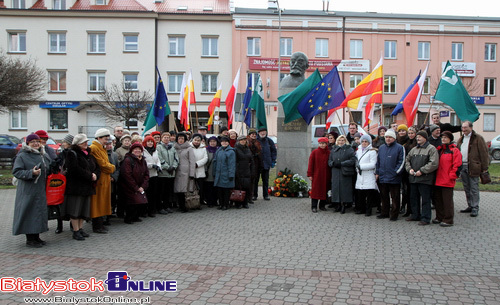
246, 102
327, 94
399, 106
161, 108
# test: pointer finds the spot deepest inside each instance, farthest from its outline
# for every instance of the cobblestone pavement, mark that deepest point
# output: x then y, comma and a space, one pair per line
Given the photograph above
277, 252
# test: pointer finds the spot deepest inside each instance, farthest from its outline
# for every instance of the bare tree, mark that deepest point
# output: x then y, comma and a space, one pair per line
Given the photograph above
22, 83
122, 105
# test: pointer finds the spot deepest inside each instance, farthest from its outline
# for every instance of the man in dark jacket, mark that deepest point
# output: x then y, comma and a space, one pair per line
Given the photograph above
435, 135
390, 165
421, 164
475, 160
268, 154
436, 120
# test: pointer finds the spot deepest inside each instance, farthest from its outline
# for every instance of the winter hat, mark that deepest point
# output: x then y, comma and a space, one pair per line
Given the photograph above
126, 132
422, 133
149, 138
390, 133
68, 139
252, 130
32, 137
135, 145
42, 134
242, 137
79, 139
262, 129
380, 128
125, 137
447, 134
202, 128
357, 135
433, 127
196, 135
154, 133
366, 137
402, 127
213, 138
101, 132
323, 140
223, 128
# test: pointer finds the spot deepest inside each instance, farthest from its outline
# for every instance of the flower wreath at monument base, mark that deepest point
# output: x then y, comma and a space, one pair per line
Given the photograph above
288, 184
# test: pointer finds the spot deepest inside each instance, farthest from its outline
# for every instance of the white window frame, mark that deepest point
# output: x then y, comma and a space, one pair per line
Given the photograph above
174, 82
209, 82
354, 80
253, 46
59, 4
424, 50
209, 46
131, 84
390, 49
286, 46
60, 38
22, 118
321, 47
17, 45
59, 76
390, 81
356, 48
179, 45
490, 52
457, 51
65, 125
96, 41
490, 86
128, 46
19, 4
489, 126
100, 81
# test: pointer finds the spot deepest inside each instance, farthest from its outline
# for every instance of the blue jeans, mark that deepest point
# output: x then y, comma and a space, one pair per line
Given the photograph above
421, 209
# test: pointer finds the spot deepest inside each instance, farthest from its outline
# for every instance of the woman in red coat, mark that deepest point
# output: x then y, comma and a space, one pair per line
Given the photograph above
450, 159
320, 174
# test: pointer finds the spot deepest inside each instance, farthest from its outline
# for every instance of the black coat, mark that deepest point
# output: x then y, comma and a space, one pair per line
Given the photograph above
79, 168
342, 187
244, 165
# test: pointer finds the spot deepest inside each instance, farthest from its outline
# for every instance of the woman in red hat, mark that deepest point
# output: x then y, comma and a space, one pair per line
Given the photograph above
320, 174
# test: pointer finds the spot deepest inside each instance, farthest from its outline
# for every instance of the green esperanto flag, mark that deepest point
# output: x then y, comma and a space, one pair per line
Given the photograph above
291, 100
452, 92
257, 103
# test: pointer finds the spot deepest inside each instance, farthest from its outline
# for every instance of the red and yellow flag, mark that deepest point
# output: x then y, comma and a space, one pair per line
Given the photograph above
213, 105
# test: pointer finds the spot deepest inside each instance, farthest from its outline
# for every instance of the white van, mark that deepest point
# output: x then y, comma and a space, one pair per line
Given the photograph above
318, 131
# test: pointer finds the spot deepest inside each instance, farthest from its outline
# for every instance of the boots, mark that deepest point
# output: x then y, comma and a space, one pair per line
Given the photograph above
342, 208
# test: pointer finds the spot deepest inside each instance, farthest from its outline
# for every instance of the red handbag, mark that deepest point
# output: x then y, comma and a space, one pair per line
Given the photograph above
237, 196
55, 188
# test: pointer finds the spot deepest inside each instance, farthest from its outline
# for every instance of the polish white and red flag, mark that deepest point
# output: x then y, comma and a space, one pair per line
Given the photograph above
231, 97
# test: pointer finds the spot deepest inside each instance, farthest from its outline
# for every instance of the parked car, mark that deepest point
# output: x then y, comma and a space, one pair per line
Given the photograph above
8, 145
275, 140
318, 131
494, 147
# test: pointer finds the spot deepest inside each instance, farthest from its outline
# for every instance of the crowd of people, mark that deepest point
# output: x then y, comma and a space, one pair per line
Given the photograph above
400, 171
127, 176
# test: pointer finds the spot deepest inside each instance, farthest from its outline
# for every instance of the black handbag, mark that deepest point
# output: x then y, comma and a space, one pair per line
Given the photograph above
53, 212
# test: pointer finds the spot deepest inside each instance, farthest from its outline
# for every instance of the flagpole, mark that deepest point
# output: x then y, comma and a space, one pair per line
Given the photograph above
173, 120
196, 111
430, 108
336, 112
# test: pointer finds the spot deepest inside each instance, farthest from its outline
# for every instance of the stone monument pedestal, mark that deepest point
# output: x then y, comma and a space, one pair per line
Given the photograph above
294, 142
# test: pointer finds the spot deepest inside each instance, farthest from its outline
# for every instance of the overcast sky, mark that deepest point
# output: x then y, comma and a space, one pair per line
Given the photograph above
483, 8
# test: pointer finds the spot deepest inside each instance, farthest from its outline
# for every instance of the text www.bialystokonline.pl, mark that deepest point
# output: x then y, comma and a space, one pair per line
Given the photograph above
88, 300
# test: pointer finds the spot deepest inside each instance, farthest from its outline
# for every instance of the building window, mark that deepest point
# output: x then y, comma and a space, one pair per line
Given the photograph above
356, 48
58, 119
457, 51
130, 43
424, 50
253, 46
17, 42
390, 84
489, 122
209, 46
390, 49
59, 4
100, 2
97, 43
57, 81
490, 52
19, 119
286, 45
130, 81
254, 77
19, 4
174, 83
354, 80
57, 42
426, 89
176, 46
208, 83
455, 120
321, 47
489, 86
97, 81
